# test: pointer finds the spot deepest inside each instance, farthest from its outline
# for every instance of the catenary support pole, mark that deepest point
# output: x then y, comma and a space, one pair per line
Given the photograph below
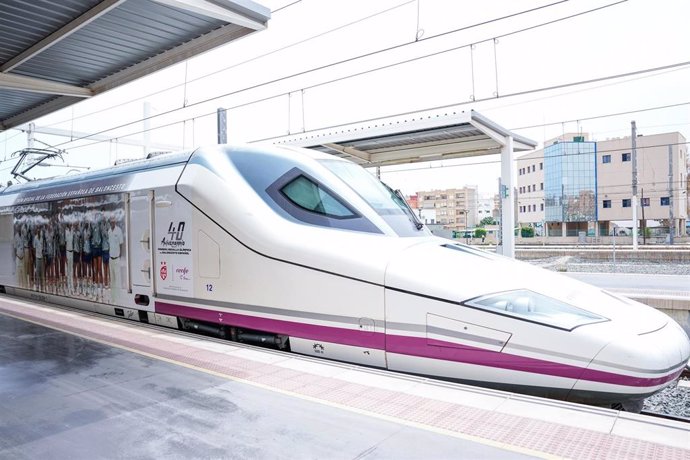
671, 220
222, 123
634, 184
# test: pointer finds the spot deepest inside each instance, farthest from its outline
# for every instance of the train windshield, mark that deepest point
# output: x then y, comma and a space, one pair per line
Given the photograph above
388, 203
538, 308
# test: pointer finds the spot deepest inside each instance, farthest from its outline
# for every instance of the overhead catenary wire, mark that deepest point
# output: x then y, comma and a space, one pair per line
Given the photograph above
535, 90
319, 35
238, 64
519, 159
326, 66
488, 162
608, 115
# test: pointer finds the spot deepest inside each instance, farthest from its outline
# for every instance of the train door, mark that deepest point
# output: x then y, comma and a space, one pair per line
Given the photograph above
173, 245
140, 248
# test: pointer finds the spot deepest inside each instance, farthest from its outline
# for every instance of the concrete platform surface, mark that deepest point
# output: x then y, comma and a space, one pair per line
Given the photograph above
77, 386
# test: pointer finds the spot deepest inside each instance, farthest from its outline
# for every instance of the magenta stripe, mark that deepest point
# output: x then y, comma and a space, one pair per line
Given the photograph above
419, 346
340, 335
412, 346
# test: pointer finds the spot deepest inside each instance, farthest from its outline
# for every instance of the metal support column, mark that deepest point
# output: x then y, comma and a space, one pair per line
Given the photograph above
507, 201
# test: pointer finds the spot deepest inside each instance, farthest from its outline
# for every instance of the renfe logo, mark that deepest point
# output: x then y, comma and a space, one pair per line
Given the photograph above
164, 271
183, 273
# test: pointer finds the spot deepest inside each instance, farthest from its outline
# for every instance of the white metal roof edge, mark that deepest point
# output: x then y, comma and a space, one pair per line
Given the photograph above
373, 128
400, 124
520, 143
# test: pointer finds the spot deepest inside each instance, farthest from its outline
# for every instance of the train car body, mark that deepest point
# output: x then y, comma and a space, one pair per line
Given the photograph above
312, 254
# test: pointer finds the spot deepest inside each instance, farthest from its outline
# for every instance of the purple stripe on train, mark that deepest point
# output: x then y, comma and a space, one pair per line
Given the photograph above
412, 346
291, 328
418, 346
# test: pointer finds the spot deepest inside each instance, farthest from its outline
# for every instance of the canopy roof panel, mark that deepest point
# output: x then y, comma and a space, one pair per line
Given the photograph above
411, 138
54, 54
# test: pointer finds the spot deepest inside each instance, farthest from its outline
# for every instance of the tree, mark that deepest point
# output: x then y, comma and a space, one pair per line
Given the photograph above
527, 232
487, 221
479, 232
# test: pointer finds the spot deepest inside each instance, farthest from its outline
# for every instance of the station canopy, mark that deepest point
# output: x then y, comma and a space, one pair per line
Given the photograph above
411, 138
54, 54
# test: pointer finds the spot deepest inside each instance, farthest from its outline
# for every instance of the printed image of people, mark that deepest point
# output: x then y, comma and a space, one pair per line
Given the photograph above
73, 247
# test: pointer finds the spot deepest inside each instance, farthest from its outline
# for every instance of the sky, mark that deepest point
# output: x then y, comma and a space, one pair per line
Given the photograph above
323, 63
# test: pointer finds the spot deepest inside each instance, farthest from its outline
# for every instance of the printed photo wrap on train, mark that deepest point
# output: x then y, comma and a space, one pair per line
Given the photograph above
73, 247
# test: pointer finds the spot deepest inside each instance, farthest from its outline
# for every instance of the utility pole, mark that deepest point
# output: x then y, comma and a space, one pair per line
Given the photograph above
634, 184
30, 135
671, 221
644, 222
222, 125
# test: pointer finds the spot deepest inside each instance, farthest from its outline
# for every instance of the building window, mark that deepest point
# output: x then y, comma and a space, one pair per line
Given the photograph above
542, 206
626, 203
625, 156
606, 159
541, 186
533, 167
541, 166
529, 188
665, 201
645, 202
607, 203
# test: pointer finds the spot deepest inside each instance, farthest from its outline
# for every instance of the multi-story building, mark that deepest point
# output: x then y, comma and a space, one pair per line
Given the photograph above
659, 196
574, 185
412, 201
486, 207
456, 209
530, 190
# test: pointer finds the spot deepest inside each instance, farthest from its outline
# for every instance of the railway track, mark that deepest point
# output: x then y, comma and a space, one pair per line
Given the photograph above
676, 418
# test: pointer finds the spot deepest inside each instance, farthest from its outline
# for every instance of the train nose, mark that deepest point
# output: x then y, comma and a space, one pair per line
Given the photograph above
637, 366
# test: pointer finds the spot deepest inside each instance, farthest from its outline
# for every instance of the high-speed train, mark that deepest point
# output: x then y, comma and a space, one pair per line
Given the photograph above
312, 254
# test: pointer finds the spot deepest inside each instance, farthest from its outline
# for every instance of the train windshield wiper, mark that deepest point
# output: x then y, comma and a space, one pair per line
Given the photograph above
399, 199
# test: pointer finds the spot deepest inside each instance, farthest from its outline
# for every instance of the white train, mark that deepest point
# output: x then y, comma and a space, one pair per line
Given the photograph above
311, 253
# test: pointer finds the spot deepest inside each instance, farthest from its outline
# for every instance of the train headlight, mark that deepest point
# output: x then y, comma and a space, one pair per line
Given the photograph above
537, 308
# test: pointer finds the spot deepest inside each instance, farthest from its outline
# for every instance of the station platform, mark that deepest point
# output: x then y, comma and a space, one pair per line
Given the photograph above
75, 385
